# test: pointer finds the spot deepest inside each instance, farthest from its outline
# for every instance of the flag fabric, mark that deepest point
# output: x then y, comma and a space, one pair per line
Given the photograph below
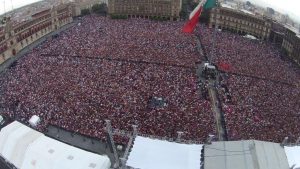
224, 66
195, 14
210, 4
194, 17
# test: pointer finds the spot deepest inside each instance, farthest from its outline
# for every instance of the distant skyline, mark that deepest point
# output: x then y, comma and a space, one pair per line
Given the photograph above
290, 7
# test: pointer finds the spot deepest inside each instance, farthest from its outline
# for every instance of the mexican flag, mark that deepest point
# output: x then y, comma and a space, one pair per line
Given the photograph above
195, 14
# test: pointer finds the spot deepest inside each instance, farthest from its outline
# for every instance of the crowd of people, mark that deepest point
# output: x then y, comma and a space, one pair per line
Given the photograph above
248, 57
105, 69
262, 109
260, 90
135, 40
111, 69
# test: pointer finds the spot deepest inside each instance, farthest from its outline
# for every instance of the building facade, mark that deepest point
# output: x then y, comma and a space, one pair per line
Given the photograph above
287, 39
168, 9
16, 36
291, 45
284, 37
240, 22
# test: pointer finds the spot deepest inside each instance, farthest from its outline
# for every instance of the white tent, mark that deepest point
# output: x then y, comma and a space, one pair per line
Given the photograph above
34, 120
157, 154
29, 149
293, 155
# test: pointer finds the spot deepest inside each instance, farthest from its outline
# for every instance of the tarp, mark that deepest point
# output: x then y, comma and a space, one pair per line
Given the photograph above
293, 155
29, 149
150, 153
34, 120
244, 154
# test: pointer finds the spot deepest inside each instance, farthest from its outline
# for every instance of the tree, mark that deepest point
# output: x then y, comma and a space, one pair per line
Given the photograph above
183, 14
115, 16
100, 8
184, 9
85, 12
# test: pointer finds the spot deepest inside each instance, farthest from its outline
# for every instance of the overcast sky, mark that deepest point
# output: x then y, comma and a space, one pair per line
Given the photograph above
9, 4
291, 7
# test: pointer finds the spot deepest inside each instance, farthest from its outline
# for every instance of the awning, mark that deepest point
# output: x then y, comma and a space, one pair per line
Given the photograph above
150, 153
293, 155
29, 149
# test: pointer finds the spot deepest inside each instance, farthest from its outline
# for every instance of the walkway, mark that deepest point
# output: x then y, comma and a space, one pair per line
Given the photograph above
216, 108
213, 94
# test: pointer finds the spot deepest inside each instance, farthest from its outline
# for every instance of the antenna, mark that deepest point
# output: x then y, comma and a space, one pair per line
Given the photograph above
4, 8
12, 5
12, 8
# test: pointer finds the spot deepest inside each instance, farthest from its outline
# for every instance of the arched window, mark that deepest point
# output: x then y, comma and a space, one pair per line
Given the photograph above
14, 52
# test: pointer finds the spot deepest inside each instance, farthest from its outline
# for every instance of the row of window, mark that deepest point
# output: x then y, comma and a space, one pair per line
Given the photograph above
144, 10
33, 30
241, 21
251, 31
37, 20
135, 6
287, 45
240, 16
3, 47
63, 17
40, 13
30, 23
2, 38
63, 10
63, 21
251, 25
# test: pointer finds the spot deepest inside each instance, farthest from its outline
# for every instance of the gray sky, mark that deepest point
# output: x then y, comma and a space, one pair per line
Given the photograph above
290, 7
9, 4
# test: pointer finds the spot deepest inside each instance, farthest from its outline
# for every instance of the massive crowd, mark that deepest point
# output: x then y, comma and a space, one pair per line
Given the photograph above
260, 90
105, 69
111, 69
134, 40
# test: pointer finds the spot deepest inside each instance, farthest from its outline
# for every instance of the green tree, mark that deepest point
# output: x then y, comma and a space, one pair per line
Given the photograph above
100, 8
116, 16
183, 14
85, 12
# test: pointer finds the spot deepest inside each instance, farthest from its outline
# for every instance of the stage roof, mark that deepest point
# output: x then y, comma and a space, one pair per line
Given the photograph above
293, 155
29, 149
244, 154
150, 153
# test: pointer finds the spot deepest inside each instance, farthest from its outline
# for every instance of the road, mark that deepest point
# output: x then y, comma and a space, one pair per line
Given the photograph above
216, 108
